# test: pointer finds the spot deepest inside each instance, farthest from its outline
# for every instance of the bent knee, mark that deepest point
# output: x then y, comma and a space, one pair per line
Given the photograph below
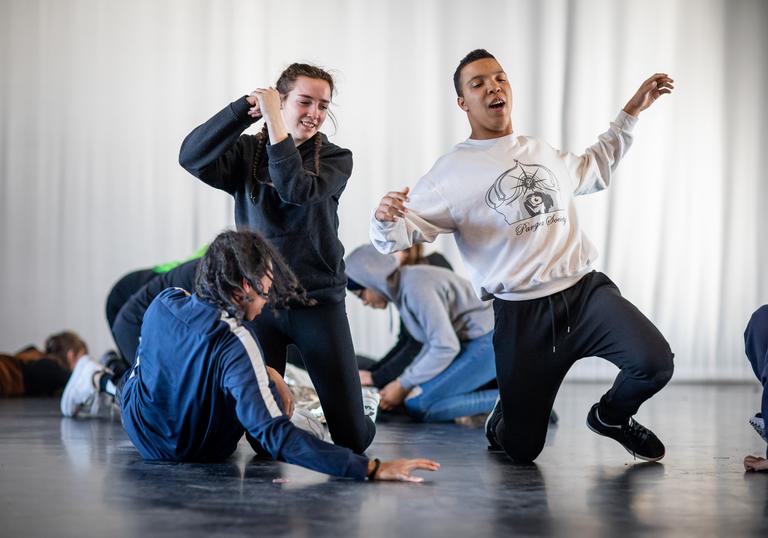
655, 364
416, 409
523, 452
356, 441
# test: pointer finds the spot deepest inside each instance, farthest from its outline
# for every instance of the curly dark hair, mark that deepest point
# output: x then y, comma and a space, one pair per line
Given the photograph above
477, 54
284, 85
234, 257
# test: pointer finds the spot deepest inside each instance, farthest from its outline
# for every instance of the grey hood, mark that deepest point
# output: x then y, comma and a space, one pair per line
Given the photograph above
371, 269
437, 307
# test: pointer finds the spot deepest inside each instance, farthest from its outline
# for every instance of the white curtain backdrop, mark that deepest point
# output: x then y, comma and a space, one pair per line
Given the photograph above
97, 95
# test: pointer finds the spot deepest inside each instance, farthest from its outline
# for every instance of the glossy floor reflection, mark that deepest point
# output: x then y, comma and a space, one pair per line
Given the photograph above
64, 477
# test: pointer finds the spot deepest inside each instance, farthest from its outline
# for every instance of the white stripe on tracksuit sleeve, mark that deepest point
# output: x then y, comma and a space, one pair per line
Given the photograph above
245, 378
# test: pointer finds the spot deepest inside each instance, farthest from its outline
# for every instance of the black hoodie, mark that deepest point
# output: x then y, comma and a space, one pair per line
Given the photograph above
294, 209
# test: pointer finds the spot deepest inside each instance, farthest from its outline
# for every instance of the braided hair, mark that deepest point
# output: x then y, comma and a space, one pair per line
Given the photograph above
284, 85
234, 257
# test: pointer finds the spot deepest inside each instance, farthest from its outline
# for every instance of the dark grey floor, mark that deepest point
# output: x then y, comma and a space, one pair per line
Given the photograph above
64, 477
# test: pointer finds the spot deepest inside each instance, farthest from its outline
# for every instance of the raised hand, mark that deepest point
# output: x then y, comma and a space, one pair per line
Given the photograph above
650, 90
255, 110
400, 470
267, 103
392, 206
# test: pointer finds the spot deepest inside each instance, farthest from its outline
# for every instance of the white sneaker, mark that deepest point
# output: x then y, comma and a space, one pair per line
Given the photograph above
81, 395
371, 399
305, 420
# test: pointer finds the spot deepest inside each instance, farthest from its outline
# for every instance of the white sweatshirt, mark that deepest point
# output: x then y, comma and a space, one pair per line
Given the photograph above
508, 202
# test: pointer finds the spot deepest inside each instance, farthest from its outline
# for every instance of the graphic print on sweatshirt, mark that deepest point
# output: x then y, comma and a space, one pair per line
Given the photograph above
524, 191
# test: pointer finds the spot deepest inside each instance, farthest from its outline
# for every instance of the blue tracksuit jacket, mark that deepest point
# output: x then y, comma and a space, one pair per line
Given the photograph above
199, 382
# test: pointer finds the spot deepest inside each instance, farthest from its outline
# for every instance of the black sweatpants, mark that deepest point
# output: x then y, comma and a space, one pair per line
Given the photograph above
534, 350
322, 335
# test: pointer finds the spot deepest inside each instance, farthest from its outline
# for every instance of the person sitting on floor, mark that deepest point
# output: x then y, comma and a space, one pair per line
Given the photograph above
441, 311
756, 346
32, 372
200, 381
379, 373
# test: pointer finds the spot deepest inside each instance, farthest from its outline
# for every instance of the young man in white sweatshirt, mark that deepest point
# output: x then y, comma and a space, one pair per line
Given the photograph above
508, 201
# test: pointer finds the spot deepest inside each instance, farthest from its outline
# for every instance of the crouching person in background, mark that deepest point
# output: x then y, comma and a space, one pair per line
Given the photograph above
440, 310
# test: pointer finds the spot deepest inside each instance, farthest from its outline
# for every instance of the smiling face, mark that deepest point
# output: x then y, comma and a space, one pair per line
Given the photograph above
487, 99
305, 107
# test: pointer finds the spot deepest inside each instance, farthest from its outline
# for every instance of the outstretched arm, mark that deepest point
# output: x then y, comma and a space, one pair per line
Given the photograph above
246, 378
593, 170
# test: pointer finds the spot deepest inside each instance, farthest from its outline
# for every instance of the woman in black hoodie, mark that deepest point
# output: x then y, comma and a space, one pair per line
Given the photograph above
286, 182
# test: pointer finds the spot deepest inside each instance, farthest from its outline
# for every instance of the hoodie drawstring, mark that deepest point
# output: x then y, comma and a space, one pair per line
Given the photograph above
552, 318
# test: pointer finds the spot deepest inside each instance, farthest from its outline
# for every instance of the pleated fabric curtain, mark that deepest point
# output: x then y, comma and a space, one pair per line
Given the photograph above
96, 97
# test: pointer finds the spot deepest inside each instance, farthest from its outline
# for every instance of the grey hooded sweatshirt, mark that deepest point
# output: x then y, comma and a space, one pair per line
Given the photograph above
438, 307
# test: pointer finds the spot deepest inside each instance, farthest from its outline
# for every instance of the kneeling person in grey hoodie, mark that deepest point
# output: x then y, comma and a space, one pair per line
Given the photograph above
440, 309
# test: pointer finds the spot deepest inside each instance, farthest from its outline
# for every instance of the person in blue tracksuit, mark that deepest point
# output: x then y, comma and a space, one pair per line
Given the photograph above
199, 381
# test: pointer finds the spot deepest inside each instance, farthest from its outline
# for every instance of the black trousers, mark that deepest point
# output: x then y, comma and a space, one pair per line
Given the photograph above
535, 349
322, 335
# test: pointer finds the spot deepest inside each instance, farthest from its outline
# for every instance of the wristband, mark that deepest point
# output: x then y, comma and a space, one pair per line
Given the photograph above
376, 467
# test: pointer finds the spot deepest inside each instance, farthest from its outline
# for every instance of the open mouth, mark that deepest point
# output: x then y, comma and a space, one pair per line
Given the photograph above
309, 124
497, 103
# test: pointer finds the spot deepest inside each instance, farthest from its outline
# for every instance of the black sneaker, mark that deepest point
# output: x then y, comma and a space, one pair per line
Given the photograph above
490, 426
639, 441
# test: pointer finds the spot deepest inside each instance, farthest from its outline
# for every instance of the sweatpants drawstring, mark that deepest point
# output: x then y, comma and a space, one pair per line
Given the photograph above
567, 313
552, 317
